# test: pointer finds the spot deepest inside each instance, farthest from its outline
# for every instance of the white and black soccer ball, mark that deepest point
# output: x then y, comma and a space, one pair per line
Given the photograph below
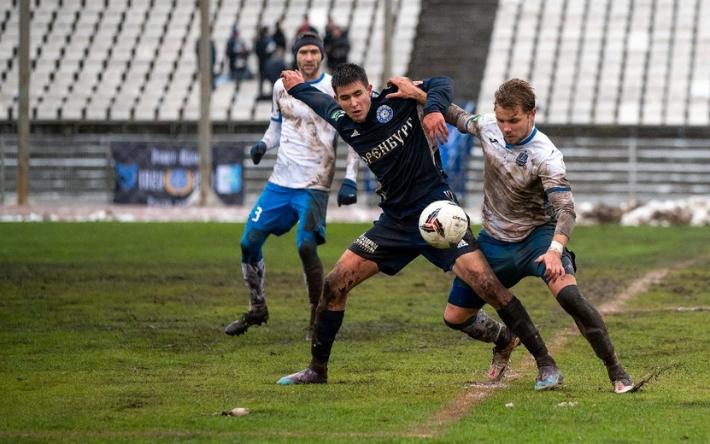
443, 224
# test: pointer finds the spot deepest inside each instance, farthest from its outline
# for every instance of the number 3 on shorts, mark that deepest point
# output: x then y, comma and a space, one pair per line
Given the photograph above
257, 213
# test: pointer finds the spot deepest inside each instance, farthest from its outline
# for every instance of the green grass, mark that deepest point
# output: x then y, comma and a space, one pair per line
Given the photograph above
113, 332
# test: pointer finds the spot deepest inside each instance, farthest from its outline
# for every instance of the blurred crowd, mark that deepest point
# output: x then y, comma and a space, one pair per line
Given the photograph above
270, 49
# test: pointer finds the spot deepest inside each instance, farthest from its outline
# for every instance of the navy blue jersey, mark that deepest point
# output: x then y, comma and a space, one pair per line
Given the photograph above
392, 143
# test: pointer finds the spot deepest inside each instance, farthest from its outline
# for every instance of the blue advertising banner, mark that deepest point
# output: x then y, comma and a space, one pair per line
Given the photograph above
167, 174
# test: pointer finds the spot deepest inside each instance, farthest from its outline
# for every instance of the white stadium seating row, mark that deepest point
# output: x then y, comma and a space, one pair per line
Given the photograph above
608, 62
135, 59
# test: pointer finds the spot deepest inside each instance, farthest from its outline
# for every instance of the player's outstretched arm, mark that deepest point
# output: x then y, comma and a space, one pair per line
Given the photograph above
407, 89
464, 122
434, 104
321, 103
291, 78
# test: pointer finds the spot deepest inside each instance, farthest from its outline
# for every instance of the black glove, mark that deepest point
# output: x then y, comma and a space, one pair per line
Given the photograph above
348, 193
257, 152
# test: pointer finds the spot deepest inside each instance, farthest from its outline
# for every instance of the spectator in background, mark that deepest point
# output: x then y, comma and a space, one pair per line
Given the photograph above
329, 31
264, 47
279, 36
274, 66
237, 52
305, 26
338, 47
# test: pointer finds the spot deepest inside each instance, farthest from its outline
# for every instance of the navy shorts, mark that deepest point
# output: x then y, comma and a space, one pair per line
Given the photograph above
392, 244
511, 262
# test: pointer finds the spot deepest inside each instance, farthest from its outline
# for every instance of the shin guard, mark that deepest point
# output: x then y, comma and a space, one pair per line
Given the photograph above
313, 275
254, 280
483, 328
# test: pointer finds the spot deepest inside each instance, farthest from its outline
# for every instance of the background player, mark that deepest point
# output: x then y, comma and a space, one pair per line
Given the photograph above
297, 191
386, 131
528, 218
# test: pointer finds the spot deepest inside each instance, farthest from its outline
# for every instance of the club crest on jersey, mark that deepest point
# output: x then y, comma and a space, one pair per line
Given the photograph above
384, 114
522, 158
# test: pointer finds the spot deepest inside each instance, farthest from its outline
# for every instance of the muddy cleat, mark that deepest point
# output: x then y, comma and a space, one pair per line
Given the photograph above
307, 376
257, 315
548, 378
501, 358
623, 385
620, 379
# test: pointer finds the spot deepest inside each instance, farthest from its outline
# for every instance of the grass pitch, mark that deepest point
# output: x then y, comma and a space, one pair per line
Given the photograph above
113, 333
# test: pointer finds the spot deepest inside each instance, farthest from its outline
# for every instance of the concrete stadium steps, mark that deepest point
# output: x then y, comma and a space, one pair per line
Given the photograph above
453, 39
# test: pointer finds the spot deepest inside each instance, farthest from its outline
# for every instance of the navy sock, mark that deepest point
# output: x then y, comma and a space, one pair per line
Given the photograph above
516, 318
327, 325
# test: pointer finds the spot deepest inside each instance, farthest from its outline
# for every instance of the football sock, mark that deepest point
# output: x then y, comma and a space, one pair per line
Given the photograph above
483, 328
516, 318
312, 271
254, 280
327, 325
590, 323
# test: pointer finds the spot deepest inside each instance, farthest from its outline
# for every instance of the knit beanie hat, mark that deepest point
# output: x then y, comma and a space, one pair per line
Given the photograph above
308, 38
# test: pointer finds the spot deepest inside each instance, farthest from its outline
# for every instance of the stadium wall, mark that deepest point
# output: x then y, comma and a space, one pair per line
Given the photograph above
71, 162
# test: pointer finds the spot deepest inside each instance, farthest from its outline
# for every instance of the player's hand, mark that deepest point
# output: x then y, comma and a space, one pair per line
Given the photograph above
435, 127
257, 151
406, 89
291, 78
348, 193
553, 265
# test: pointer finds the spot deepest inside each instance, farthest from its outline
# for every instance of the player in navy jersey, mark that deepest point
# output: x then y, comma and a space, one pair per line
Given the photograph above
394, 137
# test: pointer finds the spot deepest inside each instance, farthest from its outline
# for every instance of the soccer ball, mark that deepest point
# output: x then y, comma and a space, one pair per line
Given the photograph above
443, 224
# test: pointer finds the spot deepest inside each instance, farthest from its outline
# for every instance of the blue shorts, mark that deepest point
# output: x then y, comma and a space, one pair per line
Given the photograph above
279, 208
392, 244
511, 262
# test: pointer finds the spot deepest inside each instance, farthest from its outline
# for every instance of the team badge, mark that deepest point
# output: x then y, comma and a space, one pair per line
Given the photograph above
522, 158
384, 114
178, 182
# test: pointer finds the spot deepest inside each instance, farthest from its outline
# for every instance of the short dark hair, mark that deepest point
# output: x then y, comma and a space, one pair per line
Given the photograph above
347, 73
515, 92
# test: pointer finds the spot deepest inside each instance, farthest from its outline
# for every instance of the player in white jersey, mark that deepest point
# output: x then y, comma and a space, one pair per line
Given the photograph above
528, 218
298, 188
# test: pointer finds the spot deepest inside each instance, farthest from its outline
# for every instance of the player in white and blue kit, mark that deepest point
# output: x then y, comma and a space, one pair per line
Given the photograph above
298, 188
528, 218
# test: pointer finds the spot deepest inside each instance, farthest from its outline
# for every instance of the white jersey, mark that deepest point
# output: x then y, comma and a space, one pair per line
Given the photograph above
525, 185
306, 143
